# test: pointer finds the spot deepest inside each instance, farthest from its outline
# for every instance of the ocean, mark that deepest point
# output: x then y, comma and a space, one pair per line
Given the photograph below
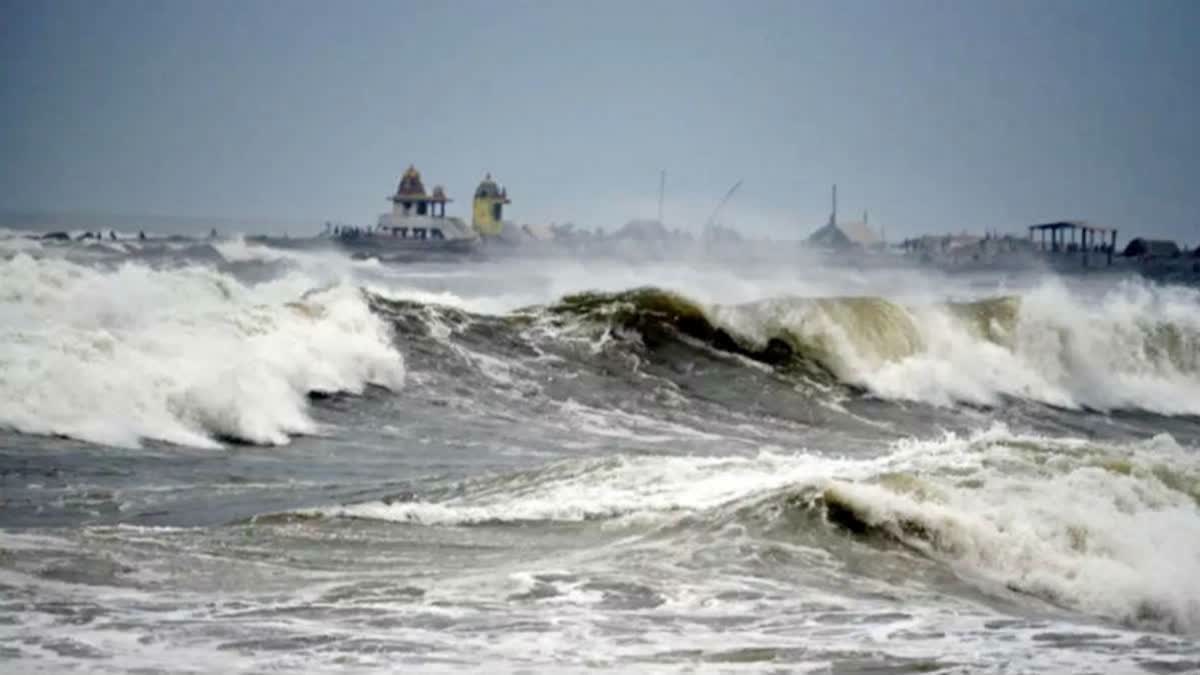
222, 457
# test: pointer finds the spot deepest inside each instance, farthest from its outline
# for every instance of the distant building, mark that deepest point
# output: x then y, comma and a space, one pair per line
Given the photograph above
417, 223
948, 244
1151, 248
410, 198
844, 235
968, 249
539, 232
488, 213
643, 230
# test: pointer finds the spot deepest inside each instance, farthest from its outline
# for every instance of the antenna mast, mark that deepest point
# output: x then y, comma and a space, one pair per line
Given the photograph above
833, 213
662, 187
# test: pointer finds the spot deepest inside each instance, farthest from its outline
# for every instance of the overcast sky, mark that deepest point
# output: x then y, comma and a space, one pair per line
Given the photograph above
936, 116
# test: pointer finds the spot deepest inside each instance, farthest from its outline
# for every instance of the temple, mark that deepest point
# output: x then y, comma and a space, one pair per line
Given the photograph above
410, 198
488, 214
416, 222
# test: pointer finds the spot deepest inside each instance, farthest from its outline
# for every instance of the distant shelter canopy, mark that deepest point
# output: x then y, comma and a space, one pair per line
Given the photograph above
1081, 233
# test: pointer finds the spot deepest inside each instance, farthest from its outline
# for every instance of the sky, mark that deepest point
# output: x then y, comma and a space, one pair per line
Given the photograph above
936, 116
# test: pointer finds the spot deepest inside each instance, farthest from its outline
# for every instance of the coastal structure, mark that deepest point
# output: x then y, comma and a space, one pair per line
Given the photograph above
1082, 238
965, 249
1151, 248
488, 213
410, 198
417, 223
419, 216
1067, 242
845, 235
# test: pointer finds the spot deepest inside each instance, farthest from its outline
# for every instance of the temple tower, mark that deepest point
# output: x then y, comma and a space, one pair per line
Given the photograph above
410, 198
488, 214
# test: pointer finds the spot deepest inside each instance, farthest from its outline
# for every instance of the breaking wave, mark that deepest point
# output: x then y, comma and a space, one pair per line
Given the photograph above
1106, 529
1137, 346
187, 355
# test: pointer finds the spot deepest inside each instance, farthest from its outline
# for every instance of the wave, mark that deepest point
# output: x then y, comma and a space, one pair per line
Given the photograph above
1107, 529
187, 355
1136, 346
1133, 346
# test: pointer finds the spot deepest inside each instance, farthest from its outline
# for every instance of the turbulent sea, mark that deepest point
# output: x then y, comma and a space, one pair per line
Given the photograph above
223, 457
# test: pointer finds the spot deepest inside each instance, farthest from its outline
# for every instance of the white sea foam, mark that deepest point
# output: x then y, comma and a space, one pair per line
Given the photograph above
1113, 531
1134, 346
1110, 530
605, 488
16, 241
182, 355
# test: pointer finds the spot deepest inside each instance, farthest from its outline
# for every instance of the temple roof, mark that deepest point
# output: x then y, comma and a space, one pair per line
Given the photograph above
489, 190
410, 184
412, 190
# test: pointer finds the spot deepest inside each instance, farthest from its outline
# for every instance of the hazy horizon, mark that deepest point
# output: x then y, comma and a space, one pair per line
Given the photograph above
935, 117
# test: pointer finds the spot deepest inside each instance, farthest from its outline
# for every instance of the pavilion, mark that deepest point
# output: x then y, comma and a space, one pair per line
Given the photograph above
1082, 238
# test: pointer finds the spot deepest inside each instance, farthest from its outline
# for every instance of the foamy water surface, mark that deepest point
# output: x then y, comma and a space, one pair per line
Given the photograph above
223, 457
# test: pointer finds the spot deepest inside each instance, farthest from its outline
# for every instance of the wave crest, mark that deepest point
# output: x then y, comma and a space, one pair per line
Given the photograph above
1112, 530
1136, 346
185, 355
